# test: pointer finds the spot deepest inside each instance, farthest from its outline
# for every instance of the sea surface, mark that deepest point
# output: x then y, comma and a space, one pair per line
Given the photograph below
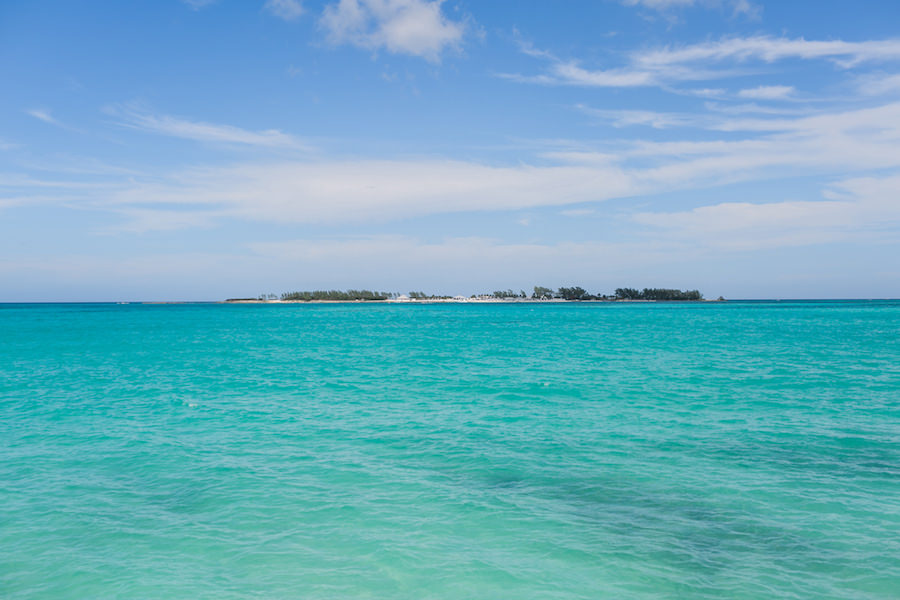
513, 451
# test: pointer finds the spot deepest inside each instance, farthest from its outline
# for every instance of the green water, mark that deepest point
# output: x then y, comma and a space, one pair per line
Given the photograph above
739, 450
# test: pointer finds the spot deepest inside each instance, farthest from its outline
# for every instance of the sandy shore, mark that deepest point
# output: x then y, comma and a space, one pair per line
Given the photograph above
477, 300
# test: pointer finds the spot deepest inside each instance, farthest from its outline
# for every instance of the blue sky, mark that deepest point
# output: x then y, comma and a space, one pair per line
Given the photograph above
202, 149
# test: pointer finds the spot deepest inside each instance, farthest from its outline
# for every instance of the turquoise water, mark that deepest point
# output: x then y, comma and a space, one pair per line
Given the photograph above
739, 450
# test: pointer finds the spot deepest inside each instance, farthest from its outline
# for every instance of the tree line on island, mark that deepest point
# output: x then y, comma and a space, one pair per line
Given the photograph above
575, 293
579, 293
337, 295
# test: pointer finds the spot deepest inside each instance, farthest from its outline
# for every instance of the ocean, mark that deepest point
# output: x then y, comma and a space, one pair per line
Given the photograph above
712, 450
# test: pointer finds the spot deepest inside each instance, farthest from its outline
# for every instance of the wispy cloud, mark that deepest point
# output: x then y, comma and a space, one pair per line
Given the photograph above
703, 92
720, 117
862, 125
648, 118
373, 190
849, 144
851, 209
770, 49
577, 212
706, 61
737, 7
44, 115
571, 73
879, 84
767, 92
201, 131
198, 4
754, 108
835, 142
289, 10
659, 4
413, 27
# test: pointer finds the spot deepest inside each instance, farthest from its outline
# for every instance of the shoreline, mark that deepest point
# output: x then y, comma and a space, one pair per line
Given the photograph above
464, 301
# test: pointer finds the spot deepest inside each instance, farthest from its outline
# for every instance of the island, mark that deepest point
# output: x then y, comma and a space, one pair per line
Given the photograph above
538, 294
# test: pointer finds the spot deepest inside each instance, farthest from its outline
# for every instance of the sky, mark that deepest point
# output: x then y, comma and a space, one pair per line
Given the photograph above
205, 149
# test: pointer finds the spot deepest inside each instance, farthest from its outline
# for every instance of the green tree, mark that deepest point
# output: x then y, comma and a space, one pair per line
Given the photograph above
572, 293
628, 294
542, 293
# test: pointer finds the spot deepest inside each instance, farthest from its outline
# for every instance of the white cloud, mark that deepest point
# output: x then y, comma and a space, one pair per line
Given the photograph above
572, 74
198, 4
141, 220
789, 120
767, 92
23, 182
745, 226
842, 144
42, 115
201, 131
696, 62
879, 84
656, 120
288, 10
769, 49
868, 125
753, 108
373, 190
705, 92
414, 27
853, 209
659, 4
577, 212
745, 7
738, 7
